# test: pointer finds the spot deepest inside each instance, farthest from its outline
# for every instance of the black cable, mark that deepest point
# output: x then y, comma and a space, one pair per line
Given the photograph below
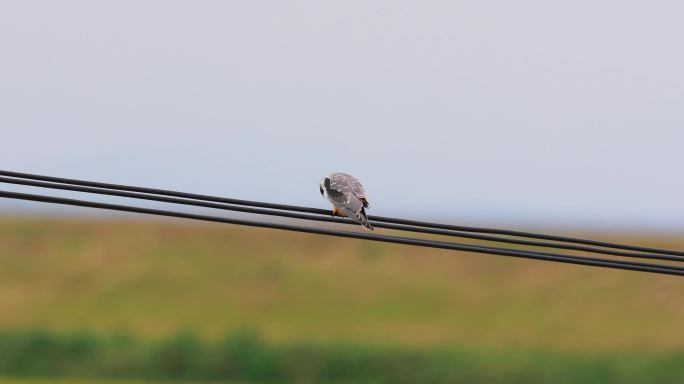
633, 266
373, 219
137, 195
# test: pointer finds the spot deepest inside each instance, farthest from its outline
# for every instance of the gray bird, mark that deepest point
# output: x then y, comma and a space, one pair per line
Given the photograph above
347, 196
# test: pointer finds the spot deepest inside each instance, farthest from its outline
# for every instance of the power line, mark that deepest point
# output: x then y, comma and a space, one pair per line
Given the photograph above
329, 219
589, 261
374, 219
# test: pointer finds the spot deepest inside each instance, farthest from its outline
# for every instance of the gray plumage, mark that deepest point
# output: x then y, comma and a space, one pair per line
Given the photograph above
347, 195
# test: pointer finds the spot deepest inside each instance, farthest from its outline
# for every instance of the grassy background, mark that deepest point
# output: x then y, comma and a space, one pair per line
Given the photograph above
15, 380
151, 280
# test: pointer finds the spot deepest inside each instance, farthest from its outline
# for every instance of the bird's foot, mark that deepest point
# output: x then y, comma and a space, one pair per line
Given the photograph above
336, 212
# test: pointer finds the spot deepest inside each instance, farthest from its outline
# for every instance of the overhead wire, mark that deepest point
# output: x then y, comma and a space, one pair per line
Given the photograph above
579, 260
329, 219
410, 225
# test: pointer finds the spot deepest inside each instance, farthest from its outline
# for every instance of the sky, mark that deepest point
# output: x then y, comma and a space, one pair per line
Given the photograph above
527, 113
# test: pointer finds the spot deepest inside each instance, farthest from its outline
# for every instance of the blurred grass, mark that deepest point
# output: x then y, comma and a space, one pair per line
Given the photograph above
244, 357
98, 298
21, 380
153, 278
18, 380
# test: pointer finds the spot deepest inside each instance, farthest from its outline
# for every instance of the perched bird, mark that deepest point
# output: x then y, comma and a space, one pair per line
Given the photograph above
347, 197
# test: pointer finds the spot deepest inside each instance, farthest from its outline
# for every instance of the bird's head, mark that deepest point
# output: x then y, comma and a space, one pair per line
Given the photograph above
322, 185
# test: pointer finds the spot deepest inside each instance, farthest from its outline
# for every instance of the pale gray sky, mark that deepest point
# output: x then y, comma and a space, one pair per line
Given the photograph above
526, 111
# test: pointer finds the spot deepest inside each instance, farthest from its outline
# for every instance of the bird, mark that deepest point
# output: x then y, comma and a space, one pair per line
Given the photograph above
347, 196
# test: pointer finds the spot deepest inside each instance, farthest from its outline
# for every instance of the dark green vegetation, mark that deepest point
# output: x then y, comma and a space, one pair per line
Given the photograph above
126, 299
243, 357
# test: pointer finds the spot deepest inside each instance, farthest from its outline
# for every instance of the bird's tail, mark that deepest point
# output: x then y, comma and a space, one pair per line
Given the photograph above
362, 218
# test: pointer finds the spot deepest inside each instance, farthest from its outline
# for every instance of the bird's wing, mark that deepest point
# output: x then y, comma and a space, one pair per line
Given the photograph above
354, 185
351, 188
339, 190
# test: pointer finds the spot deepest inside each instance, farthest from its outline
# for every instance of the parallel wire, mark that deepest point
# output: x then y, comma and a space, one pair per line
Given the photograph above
589, 261
144, 196
409, 224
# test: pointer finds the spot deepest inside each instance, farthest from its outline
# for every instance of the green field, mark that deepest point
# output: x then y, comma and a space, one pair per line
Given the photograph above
328, 296
14, 380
